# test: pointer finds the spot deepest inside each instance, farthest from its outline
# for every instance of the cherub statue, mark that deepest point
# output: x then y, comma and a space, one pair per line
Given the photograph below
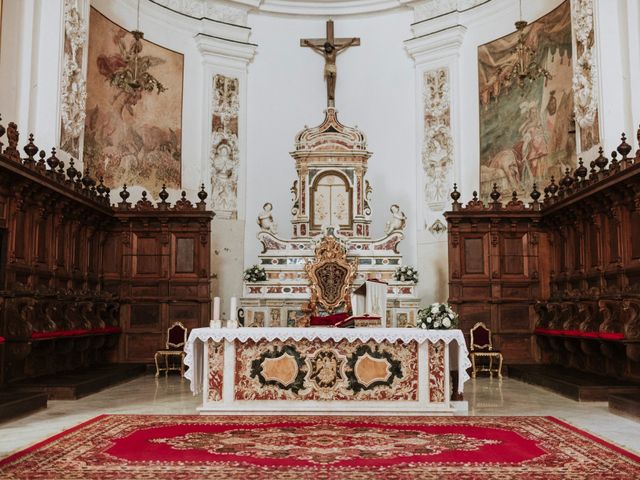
398, 220
265, 219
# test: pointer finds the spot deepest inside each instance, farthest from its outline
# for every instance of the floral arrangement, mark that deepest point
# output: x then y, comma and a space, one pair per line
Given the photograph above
437, 316
406, 274
255, 273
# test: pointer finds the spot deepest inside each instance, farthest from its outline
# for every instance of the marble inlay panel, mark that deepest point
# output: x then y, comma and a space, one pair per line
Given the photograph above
436, 371
216, 370
311, 370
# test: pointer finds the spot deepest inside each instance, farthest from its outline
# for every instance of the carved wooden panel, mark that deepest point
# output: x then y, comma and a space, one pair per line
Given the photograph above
185, 255
581, 242
474, 255
147, 256
145, 316
65, 249
635, 234
188, 314
513, 255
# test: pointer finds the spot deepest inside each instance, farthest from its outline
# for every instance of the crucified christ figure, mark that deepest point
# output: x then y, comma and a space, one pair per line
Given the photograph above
329, 48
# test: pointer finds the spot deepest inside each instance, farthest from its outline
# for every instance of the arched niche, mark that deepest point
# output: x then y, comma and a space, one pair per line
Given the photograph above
331, 201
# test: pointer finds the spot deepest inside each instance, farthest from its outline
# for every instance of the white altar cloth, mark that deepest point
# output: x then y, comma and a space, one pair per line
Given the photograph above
194, 348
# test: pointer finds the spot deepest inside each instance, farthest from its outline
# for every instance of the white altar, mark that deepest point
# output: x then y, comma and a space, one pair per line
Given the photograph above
326, 370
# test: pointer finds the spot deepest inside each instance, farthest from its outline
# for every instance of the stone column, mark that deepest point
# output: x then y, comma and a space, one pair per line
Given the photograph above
435, 49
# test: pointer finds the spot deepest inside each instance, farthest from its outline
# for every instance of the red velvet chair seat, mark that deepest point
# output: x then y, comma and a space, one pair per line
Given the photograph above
579, 333
1, 339
75, 333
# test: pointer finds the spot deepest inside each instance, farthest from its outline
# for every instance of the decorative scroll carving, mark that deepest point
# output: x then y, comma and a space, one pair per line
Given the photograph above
224, 155
437, 228
585, 74
73, 95
437, 148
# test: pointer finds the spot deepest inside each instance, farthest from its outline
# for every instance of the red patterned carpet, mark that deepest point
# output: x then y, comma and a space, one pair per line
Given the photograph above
257, 447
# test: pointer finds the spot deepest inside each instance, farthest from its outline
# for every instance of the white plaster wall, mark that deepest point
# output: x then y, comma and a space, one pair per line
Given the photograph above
30, 62
375, 91
617, 26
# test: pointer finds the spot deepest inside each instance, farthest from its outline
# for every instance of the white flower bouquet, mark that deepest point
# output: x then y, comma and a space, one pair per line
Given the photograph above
255, 273
437, 316
406, 274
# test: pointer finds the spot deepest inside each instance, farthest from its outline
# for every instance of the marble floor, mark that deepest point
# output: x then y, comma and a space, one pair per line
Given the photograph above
148, 395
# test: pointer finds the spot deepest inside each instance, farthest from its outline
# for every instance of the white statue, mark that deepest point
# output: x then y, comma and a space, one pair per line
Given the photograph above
265, 219
225, 183
398, 220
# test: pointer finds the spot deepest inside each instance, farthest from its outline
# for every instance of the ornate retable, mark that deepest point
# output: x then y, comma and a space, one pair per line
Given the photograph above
325, 370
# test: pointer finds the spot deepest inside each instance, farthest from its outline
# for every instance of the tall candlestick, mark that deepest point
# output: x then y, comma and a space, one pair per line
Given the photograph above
216, 308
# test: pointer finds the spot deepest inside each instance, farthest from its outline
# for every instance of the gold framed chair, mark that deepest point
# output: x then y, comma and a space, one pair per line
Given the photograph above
481, 347
176, 340
331, 276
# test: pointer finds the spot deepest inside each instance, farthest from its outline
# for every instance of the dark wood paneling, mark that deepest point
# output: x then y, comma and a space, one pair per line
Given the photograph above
72, 262
185, 255
473, 255
573, 258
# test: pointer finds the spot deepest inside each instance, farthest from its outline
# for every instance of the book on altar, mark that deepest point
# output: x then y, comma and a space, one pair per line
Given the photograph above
369, 301
359, 321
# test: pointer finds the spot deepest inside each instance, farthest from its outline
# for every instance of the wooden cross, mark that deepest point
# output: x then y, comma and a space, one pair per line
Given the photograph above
329, 48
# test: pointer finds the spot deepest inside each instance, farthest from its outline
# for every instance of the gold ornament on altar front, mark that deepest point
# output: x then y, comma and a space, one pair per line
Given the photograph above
331, 276
524, 67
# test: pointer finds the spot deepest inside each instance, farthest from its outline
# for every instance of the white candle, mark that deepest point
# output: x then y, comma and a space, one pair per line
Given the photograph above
233, 314
215, 324
216, 308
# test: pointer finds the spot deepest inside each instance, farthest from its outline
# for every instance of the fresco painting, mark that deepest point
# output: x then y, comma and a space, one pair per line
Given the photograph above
526, 134
133, 126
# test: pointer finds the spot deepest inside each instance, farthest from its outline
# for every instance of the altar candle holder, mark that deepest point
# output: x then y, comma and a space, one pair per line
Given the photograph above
216, 322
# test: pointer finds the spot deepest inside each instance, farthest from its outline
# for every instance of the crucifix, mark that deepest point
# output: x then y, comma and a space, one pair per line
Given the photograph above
329, 48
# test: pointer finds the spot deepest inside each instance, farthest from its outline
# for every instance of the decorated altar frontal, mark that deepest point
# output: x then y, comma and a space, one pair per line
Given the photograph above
327, 370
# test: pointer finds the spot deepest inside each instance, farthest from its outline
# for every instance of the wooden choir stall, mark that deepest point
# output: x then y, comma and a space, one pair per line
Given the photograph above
85, 283
557, 279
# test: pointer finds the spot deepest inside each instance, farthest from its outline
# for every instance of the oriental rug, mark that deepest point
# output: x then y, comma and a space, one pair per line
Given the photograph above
321, 447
